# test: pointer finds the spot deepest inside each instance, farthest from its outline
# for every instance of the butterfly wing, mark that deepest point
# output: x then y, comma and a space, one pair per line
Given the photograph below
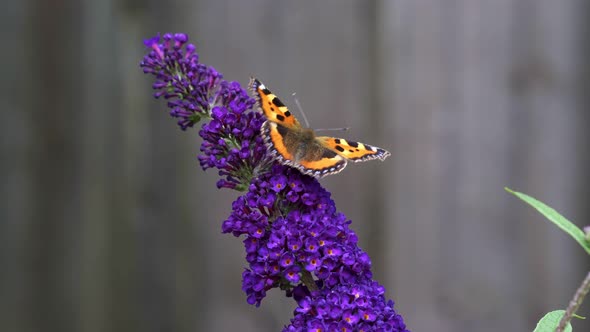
328, 163
353, 151
315, 159
294, 146
272, 107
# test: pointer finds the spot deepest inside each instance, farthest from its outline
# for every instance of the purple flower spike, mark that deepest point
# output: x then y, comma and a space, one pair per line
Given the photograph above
194, 92
294, 238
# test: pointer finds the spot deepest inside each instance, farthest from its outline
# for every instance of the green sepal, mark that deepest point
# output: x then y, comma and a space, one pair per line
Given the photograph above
195, 117
241, 187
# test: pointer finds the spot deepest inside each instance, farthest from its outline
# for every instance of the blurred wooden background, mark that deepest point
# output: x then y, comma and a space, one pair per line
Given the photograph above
108, 224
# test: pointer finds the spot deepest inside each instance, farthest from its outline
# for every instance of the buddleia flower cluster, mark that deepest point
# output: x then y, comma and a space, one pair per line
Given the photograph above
294, 237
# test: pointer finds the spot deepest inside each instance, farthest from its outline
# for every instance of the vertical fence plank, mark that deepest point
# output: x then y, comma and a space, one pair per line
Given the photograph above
462, 131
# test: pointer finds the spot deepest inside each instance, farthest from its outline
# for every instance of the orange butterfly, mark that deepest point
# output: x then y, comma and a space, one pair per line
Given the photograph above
295, 146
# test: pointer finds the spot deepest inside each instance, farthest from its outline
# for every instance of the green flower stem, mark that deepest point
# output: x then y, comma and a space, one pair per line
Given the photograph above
307, 279
574, 303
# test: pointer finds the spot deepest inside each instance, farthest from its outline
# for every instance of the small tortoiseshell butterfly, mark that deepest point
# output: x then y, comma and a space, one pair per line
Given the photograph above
295, 146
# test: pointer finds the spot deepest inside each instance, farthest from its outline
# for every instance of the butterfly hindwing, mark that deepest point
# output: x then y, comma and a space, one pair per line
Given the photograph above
353, 151
330, 163
275, 139
272, 107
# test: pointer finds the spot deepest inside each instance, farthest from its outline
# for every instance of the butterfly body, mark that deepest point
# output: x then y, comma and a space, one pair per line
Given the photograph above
295, 146
299, 143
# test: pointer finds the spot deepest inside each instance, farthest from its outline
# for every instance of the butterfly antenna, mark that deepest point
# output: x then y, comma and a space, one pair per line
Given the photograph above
301, 110
307, 122
333, 129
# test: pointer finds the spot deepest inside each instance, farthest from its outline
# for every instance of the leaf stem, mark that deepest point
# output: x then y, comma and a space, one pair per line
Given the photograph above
574, 304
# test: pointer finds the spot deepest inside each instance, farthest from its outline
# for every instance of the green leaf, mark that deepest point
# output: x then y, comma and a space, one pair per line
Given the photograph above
550, 321
561, 222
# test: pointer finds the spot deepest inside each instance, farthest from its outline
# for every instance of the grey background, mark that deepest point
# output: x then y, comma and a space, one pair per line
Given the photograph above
108, 224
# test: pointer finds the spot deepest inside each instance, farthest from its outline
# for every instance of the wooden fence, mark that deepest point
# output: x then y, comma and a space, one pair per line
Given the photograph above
108, 224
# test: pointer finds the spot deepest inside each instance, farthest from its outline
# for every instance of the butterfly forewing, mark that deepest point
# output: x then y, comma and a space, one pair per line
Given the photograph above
353, 151
272, 107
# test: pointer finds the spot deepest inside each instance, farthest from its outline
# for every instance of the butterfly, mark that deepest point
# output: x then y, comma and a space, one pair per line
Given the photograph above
293, 145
